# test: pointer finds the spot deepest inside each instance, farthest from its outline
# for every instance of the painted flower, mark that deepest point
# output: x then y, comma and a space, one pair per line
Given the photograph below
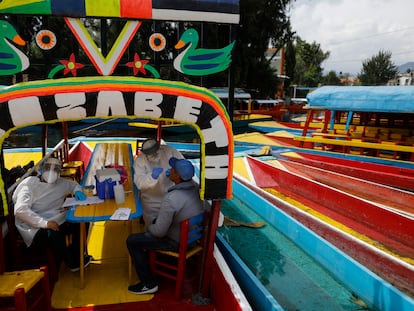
45, 39
138, 65
157, 42
71, 65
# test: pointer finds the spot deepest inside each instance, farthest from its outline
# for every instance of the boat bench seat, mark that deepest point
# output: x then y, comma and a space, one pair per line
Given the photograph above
357, 143
78, 166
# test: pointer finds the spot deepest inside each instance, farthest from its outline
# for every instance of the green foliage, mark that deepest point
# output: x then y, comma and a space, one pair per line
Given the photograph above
309, 57
290, 63
377, 70
261, 22
264, 81
331, 79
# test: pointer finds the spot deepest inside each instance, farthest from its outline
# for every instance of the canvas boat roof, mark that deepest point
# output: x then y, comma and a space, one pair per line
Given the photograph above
392, 99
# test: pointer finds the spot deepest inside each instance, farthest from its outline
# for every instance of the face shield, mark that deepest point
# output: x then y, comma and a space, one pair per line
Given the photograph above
154, 157
150, 148
51, 170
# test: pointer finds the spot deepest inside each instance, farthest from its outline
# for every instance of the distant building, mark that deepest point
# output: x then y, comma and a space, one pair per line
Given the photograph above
350, 81
277, 63
406, 78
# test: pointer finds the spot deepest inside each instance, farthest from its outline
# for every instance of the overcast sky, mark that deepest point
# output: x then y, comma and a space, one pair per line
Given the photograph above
356, 30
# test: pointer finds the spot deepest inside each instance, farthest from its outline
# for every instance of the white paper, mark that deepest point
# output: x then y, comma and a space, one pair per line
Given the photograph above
89, 200
121, 213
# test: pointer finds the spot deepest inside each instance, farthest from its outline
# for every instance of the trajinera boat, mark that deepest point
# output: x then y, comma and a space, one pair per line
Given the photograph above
369, 120
114, 93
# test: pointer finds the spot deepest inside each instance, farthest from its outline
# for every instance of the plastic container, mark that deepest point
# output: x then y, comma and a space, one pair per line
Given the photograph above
119, 193
106, 179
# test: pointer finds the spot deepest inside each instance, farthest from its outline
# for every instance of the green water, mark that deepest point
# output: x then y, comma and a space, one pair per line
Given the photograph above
294, 279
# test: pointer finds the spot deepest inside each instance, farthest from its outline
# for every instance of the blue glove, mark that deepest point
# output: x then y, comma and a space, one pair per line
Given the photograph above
80, 196
156, 172
168, 172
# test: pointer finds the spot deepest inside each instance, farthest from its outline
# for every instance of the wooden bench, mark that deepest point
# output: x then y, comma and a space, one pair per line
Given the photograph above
329, 135
357, 143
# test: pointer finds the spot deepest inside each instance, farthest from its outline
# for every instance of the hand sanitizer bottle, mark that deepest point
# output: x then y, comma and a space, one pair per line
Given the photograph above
119, 193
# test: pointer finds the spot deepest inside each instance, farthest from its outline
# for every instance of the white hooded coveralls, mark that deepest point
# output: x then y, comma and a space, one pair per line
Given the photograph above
152, 190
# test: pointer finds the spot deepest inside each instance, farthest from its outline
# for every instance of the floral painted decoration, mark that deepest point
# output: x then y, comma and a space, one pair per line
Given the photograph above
157, 42
46, 39
138, 65
71, 65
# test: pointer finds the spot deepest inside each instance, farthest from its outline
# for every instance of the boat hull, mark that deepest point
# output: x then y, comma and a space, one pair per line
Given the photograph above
399, 177
332, 248
376, 237
389, 197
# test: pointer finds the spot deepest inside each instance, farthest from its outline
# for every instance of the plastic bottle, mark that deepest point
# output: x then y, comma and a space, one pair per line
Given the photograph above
119, 193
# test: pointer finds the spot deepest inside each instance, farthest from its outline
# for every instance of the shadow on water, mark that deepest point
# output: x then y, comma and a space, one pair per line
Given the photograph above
293, 278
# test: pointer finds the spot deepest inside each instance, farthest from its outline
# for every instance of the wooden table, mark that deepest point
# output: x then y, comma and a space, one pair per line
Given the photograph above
102, 212
120, 153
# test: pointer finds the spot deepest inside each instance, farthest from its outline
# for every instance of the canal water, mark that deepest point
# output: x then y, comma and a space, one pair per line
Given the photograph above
293, 278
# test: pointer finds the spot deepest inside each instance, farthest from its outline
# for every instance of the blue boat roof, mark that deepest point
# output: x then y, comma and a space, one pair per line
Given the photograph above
395, 99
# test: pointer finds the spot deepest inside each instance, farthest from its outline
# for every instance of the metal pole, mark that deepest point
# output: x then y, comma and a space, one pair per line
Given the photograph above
44, 140
66, 141
159, 131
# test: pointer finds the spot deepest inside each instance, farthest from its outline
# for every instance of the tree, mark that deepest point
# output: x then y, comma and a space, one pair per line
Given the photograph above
290, 63
262, 22
309, 57
331, 79
378, 70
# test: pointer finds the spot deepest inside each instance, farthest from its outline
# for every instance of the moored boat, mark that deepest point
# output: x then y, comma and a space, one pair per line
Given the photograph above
59, 99
366, 120
328, 246
371, 234
396, 199
392, 175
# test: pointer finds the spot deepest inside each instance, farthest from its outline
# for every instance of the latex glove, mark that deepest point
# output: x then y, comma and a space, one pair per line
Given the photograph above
156, 172
168, 172
80, 196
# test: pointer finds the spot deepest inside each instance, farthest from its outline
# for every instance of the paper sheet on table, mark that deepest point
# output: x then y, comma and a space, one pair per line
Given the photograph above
121, 213
89, 200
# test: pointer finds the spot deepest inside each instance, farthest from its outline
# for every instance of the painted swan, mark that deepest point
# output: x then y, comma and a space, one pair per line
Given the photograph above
200, 62
12, 60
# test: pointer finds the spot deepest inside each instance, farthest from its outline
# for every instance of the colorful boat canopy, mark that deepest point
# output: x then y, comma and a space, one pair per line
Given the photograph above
79, 98
217, 11
394, 99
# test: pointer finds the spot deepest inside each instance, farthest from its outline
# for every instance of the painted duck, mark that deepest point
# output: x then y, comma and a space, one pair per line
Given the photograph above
200, 62
12, 60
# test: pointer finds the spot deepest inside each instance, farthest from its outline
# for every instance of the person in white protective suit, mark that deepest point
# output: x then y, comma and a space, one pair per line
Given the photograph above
40, 217
150, 178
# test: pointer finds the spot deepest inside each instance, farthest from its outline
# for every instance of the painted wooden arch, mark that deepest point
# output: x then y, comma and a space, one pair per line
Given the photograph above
217, 11
71, 99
